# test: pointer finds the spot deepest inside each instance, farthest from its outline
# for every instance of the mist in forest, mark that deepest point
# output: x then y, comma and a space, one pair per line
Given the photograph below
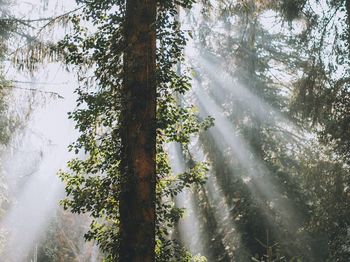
276, 187
188, 227
37, 153
256, 175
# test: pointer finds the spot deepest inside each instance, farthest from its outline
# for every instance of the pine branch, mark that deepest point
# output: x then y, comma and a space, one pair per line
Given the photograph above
39, 91
27, 22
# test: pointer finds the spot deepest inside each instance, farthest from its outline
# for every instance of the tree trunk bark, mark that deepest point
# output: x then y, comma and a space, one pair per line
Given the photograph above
347, 6
138, 135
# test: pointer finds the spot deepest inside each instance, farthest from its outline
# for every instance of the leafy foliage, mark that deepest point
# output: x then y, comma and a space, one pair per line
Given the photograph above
64, 240
94, 185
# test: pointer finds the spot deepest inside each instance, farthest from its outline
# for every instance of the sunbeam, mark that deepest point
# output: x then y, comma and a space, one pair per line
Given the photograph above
256, 175
33, 180
174, 130
228, 87
188, 226
218, 201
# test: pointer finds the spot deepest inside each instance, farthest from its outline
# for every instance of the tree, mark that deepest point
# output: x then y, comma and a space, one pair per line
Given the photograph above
321, 101
256, 165
267, 194
114, 103
138, 135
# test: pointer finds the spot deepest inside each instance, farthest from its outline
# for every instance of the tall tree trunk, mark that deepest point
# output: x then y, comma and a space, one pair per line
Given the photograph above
138, 137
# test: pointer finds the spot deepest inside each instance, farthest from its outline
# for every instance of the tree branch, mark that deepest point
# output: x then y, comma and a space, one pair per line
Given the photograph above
39, 91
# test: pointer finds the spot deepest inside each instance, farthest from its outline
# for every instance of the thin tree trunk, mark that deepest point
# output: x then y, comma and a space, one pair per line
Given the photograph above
347, 6
138, 167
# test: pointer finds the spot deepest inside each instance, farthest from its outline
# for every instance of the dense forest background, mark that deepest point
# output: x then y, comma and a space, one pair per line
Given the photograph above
252, 129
